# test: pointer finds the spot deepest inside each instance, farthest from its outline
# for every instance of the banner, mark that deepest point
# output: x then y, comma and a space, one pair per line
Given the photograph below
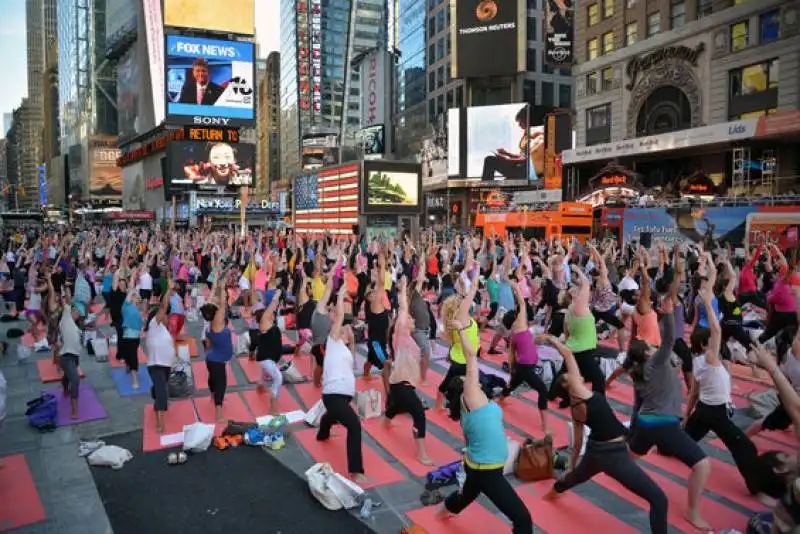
229, 16
558, 31
687, 225
489, 38
128, 83
374, 73
154, 31
106, 177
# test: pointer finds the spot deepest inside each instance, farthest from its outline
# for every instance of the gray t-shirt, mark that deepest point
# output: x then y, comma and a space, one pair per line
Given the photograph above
661, 391
320, 328
419, 312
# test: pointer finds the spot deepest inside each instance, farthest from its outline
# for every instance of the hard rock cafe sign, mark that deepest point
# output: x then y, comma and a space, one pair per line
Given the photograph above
644, 63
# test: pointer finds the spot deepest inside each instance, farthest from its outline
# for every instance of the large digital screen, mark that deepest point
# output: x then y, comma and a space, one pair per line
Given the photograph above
501, 145
453, 142
387, 188
489, 38
106, 177
209, 81
558, 31
211, 164
228, 16
373, 140
128, 94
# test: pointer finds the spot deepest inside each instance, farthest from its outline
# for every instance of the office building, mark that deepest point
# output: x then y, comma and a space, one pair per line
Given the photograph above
7, 118
22, 166
683, 91
407, 34
313, 100
270, 180
51, 131
87, 87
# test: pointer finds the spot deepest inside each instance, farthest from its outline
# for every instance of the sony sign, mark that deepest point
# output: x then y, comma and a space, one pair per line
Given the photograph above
374, 88
211, 121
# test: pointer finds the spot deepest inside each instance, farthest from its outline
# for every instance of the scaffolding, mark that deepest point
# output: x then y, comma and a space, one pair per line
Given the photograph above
741, 171
769, 170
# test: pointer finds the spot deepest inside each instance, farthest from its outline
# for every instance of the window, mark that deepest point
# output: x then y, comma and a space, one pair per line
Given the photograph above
592, 49
591, 83
756, 114
653, 24
677, 14
608, 9
547, 94
440, 77
529, 92
754, 78
440, 21
598, 117
459, 96
431, 54
449, 72
546, 67
431, 27
704, 8
740, 36
608, 43
531, 60
564, 96
431, 81
431, 110
439, 49
593, 14
440, 105
608, 78
531, 28
448, 44
769, 26
631, 33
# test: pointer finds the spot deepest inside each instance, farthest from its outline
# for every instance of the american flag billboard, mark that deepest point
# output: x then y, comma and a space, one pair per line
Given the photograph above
327, 201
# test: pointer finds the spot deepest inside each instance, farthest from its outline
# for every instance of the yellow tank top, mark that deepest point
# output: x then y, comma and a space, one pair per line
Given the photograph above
317, 288
456, 350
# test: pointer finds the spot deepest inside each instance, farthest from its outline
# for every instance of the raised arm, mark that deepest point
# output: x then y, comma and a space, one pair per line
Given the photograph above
474, 397
161, 316
218, 323
580, 300
269, 314
715, 340
338, 314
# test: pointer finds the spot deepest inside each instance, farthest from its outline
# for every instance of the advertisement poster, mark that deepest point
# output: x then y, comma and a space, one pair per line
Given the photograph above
319, 150
774, 223
685, 225
502, 146
373, 141
209, 81
388, 188
558, 31
433, 157
211, 164
374, 74
487, 38
128, 94
230, 16
453, 143
106, 177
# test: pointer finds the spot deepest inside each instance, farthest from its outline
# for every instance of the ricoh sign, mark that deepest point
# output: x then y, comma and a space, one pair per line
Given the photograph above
374, 87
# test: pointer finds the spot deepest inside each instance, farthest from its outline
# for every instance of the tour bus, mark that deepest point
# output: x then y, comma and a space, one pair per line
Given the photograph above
567, 220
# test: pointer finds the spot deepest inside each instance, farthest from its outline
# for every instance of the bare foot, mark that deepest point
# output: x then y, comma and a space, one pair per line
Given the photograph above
74, 414
551, 495
219, 414
159, 429
135, 384
698, 522
443, 514
424, 382
359, 478
424, 460
388, 423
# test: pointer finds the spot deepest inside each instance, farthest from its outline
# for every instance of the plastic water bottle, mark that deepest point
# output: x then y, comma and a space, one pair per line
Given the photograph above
366, 508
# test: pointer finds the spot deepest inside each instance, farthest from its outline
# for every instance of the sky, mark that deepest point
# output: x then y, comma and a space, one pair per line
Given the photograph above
12, 43
14, 62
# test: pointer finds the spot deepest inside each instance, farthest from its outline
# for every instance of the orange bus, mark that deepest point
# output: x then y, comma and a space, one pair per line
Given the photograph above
570, 219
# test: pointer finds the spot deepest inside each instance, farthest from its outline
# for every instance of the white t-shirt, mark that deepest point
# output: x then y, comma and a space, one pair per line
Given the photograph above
244, 283
146, 282
714, 382
337, 373
628, 283
160, 346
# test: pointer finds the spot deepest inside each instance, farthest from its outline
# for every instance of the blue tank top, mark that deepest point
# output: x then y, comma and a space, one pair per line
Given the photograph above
221, 349
703, 318
485, 435
131, 320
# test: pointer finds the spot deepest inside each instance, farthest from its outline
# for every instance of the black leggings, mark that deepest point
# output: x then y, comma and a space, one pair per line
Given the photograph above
609, 318
159, 376
682, 350
339, 410
403, 398
589, 371
128, 351
744, 452
523, 372
784, 323
755, 298
497, 489
217, 381
737, 332
454, 371
614, 460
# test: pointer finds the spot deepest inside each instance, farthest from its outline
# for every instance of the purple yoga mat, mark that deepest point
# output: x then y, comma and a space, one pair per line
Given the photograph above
89, 407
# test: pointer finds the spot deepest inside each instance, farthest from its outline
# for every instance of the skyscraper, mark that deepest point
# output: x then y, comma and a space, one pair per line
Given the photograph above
315, 39
408, 33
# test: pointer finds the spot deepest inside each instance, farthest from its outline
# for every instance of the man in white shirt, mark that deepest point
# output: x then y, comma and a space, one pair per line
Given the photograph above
145, 286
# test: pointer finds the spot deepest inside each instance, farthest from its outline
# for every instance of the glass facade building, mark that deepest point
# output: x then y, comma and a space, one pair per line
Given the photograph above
408, 31
329, 44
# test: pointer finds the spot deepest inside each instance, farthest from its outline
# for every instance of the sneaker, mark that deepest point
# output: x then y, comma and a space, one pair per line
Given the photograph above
274, 441
41, 346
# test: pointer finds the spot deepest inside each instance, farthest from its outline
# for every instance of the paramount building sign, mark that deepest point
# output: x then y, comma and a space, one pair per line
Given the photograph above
641, 64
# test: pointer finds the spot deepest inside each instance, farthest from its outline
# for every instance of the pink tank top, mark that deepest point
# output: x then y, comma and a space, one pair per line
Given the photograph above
647, 328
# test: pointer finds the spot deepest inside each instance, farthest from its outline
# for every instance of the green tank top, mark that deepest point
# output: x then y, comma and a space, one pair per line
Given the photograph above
456, 350
582, 332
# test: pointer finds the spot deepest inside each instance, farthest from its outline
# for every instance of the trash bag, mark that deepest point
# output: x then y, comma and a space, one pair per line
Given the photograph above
110, 456
197, 437
180, 386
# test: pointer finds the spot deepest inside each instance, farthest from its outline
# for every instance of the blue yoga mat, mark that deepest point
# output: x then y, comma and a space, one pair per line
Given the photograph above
123, 382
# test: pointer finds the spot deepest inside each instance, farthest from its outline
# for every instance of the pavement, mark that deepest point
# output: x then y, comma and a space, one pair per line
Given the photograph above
73, 506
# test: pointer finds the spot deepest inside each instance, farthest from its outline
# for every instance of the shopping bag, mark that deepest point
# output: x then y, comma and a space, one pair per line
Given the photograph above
314, 415
347, 491
369, 403
197, 437
183, 352
317, 477
291, 374
535, 460
100, 347
514, 448
242, 343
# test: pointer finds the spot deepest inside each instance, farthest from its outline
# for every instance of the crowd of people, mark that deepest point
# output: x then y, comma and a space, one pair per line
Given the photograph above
401, 294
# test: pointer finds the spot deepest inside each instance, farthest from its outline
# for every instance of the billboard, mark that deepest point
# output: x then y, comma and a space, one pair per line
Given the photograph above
308, 19
489, 38
559, 32
319, 150
209, 81
128, 93
374, 74
453, 142
685, 225
327, 201
154, 32
106, 177
373, 141
393, 188
434, 158
502, 146
211, 165
230, 16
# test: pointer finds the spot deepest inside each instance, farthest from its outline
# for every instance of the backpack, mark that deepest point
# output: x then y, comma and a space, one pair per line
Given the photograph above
489, 383
42, 412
